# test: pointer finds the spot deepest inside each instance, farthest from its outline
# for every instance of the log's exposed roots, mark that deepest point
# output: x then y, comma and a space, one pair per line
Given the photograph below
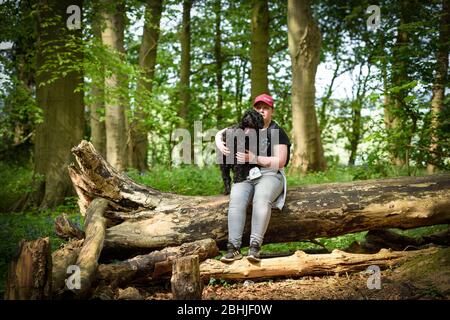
66, 229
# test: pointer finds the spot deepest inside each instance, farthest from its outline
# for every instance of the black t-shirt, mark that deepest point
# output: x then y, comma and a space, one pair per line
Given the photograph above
274, 135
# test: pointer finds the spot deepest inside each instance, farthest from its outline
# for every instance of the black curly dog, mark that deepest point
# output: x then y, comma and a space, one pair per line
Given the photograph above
252, 119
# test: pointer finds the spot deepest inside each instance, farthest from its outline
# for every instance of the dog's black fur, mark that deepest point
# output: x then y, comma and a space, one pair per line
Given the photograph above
254, 120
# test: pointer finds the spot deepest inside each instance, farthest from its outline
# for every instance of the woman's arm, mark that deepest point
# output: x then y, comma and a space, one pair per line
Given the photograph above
220, 143
277, 161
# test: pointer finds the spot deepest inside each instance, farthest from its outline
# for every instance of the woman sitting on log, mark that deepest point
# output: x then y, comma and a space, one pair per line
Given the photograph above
266, 190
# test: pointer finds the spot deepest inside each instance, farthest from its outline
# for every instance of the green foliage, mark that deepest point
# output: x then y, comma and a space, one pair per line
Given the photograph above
18, 117
218, 282
187, 180
341, 242
333, 174
422, 231
16, 181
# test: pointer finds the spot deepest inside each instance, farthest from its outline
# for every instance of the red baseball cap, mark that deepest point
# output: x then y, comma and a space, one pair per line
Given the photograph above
264, 98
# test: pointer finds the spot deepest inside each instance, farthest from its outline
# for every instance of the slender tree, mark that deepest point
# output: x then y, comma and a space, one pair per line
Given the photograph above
440, 83
138, 146
98, 129
115, 119
398, 113
304, 39
219, 59
185, 39
259, 54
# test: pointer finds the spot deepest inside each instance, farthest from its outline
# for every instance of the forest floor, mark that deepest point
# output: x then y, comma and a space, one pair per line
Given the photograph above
418, 278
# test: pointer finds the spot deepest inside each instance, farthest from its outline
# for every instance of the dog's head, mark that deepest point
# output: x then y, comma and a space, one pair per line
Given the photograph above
252, 119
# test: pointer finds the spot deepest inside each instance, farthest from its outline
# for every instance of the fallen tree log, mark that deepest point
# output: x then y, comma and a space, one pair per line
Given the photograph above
154, 264
302, 264
152, 219
61, 260
95, 225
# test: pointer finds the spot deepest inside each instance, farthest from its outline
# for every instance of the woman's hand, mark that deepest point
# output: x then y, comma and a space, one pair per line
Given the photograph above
221, 144
248, 157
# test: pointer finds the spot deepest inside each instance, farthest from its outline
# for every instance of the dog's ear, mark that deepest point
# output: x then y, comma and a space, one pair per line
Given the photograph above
260, 120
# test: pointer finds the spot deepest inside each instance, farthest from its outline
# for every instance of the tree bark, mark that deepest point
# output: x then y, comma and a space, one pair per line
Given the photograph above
302, 264
440, 83
152, 219
147, 61
259, 53
115, 120
63, 109
185, 281
304, 47
30, 274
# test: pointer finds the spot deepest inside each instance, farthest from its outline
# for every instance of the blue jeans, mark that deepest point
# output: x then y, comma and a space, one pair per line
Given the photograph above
263, 191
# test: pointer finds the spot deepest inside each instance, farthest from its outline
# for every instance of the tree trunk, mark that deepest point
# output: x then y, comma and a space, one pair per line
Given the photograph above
29, 275
219, 60
185, 39
98, 129
355, 135
440, 83
326, 100
147, 62
62, 108
259, 53
115, 120
304, 47
152, 219
357, 103
302, 264
155, 264
398, 114
92, 245
384, 76
241, 71
185, 281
